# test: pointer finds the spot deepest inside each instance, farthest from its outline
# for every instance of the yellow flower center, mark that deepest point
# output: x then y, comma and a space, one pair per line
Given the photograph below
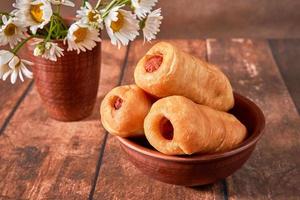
117, 25
80, 34
10, 29
92, 17
37, 13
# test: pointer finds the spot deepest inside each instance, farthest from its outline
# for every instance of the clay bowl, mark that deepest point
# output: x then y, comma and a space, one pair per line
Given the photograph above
198, 169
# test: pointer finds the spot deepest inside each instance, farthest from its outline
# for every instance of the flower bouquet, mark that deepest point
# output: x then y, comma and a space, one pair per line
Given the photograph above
65, 54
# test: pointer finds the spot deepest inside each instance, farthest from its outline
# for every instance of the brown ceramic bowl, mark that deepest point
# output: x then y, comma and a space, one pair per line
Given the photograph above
198, 169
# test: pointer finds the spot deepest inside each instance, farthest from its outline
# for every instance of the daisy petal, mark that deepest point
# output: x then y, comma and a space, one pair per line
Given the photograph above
143, 7
5, 56
13, 76
21, 76
27, 62
25, 71
4, 77
14, 62
4, 19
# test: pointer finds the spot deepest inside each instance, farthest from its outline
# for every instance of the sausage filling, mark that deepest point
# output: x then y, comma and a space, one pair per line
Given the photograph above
118, 103
166, 129
153, 63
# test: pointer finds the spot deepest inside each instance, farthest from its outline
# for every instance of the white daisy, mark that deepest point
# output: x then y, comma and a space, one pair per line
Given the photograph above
14, 66
142, 7
35, 14
81, 37
48, 50
90, 16
151, 25
122, 26
11, 32
62, 2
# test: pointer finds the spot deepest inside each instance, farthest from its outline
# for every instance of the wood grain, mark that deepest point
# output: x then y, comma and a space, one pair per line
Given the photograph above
45, 159
236, 18
222, 18
119, 179
273, 170
10, 97
286, 53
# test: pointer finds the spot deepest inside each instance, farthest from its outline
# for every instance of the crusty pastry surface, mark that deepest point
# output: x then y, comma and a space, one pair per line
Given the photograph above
182, 74
123, 111
196, 128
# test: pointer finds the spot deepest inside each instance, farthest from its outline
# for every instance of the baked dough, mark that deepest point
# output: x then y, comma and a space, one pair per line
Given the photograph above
165, 70
123, 111
176, 125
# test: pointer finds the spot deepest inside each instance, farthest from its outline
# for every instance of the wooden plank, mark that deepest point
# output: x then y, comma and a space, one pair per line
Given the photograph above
119, 179
45, 159
273, 170
239, 18
10, 98
236, 18
287, 56
11, 95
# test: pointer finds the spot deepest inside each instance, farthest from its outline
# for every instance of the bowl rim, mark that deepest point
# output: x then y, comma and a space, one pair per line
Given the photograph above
255, 136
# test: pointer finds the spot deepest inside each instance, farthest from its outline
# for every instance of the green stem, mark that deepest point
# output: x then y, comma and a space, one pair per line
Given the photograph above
84, 1
126, 1
64, 31
18, 47
58, 9
50, 31
58, 27
4, 13
112, 4
108, 8
98, 4
58, 17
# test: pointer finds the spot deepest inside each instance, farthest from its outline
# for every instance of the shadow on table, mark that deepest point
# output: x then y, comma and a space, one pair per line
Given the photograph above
95, 116
202, 188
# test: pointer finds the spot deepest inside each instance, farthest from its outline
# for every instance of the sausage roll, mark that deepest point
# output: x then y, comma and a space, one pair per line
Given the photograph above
165, 70
123, 111
176, 125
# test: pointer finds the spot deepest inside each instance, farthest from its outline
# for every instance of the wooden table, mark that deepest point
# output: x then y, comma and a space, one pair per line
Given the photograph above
41, 158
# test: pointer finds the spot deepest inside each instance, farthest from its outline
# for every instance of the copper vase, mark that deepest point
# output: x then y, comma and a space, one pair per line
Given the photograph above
68, 87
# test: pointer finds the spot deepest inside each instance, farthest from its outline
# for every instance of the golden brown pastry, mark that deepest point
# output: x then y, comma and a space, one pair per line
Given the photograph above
176, 125
123, 111
165, 70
